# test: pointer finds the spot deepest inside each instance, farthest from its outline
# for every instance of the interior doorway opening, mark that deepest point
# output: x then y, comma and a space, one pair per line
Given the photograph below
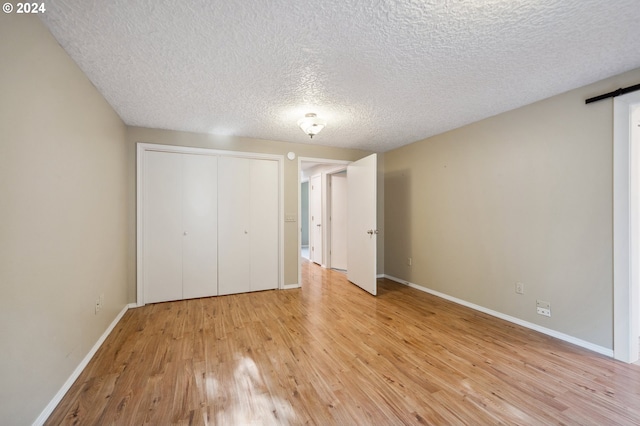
337, 208
362, 211
316, 217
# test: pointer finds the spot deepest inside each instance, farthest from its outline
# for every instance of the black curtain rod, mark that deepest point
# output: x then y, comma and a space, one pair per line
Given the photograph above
613, 94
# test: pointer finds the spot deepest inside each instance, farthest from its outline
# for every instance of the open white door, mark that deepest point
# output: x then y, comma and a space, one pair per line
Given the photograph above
315, 224
361, 223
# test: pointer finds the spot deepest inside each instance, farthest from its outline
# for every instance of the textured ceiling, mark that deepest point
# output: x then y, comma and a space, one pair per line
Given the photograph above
383, 73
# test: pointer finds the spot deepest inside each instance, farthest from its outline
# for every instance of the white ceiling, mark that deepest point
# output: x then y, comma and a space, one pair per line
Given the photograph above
383, 73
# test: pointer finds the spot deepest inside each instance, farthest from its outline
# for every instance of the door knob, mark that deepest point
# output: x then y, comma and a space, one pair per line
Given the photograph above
372, 231
319, 224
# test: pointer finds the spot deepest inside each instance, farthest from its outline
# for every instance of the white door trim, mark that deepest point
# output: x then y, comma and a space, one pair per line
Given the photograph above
626, 219
142, 148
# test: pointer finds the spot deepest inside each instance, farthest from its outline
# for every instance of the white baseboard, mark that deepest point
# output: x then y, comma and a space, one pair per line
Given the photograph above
44, 415
381, 276
290, 286
549, 332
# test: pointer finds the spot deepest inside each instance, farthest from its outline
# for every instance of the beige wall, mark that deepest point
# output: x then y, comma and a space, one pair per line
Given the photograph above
168, 137
522, 196
63, 227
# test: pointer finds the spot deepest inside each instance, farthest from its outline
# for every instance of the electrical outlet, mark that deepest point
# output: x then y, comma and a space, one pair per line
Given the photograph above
520, 288
543, 308
99, 303
409, 261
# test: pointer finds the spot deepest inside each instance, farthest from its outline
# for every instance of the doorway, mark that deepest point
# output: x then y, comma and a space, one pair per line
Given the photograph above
361, 224
316, 219
317, 172
304, 218
338, 220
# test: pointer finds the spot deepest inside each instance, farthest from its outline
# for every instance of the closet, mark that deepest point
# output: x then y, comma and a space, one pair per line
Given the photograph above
208, 223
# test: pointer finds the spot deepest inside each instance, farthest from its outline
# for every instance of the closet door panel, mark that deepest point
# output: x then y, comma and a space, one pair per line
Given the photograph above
200, 227
264, 253
162, 227
234, 204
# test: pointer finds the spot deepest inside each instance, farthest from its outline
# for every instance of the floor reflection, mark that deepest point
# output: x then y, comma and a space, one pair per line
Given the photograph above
250, 402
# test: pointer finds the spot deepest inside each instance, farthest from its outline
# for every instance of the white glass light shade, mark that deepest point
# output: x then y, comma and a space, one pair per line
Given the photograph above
311, 124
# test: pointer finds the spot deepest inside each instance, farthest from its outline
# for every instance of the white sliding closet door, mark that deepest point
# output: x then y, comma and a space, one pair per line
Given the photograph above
162, 227
200, 218
208, 223
234, 197
248, 256
264, 225
180, 226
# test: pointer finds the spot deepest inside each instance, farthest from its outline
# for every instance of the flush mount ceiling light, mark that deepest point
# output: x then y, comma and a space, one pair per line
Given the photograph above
311, 124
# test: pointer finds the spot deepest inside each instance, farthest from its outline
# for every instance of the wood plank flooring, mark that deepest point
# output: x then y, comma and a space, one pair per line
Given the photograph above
330, 353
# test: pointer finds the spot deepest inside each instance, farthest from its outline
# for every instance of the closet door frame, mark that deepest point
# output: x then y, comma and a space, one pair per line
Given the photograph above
142, 148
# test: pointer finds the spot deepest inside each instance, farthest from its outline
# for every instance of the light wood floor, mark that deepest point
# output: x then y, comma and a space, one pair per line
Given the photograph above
330, 353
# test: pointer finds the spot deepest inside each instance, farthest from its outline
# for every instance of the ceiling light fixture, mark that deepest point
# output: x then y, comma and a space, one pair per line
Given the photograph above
311, 124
